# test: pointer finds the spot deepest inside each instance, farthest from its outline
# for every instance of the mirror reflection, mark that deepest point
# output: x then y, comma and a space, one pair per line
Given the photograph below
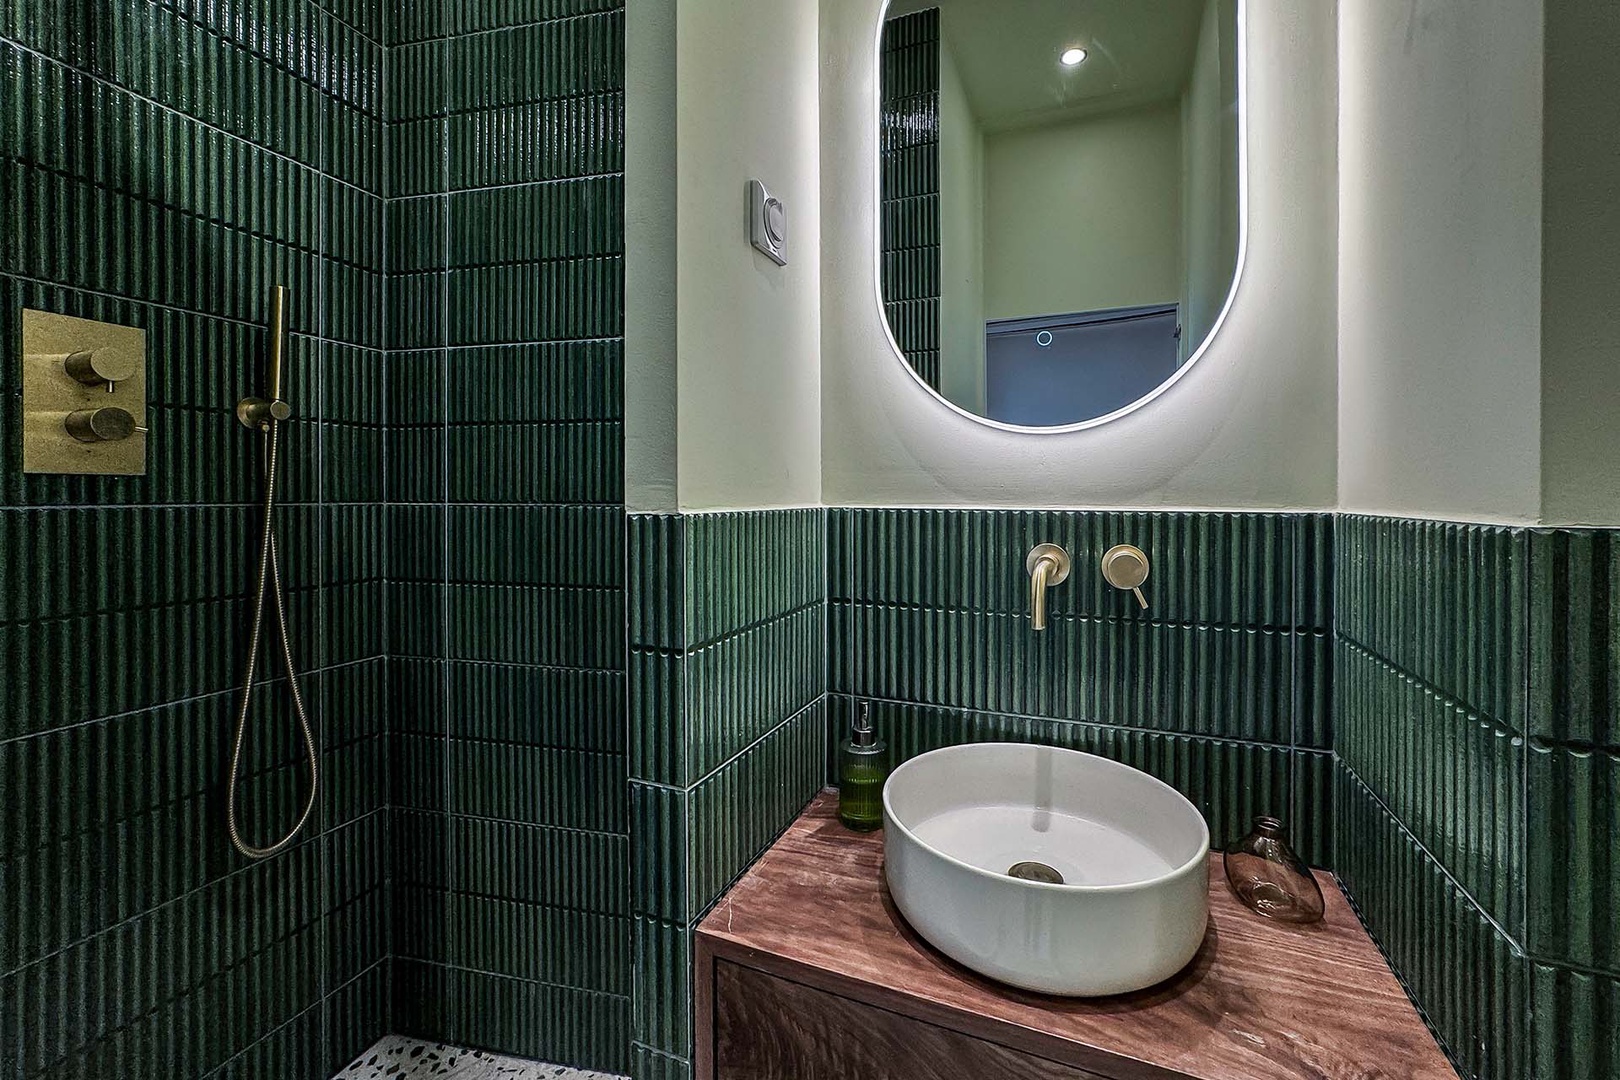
1060, 197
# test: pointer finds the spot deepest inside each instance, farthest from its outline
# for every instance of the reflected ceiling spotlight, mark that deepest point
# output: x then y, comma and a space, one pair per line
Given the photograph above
1073, 57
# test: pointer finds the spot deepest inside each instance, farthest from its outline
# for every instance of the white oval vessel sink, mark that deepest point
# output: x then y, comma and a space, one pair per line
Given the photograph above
1131, 852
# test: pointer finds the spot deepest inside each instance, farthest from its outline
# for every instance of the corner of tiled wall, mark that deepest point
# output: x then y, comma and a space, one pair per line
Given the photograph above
727, 621
505, 236
1475, 702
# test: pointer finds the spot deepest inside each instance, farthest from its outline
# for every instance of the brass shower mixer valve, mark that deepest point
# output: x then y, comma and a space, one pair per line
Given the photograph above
83, 396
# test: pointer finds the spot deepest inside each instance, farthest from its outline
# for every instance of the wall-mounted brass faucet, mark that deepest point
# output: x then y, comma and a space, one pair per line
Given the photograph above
1047, 565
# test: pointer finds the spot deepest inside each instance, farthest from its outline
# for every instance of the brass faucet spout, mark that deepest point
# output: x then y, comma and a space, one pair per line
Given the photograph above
1047, 565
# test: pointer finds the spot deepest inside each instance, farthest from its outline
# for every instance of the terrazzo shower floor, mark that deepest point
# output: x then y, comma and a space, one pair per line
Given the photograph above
396, 1058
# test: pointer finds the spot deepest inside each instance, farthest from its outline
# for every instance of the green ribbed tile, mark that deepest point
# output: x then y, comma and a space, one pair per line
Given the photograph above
662, 1017
357, 930
1451, 777
1214, 569
563, 947
659, 747
561, 382
537, 785
739, 810
131, 1031
1574, 860
553, 867
1575, 637
357, 1015
909, 148
747, 567
493, 545
1576, 1017
514, 624
660, 852
1221, 682
291, 1050
353, 718
1311, 826
536, 463
560, 708
559, 1024
647, 1063
1442, 601
656, 590
741, 687
1469, 980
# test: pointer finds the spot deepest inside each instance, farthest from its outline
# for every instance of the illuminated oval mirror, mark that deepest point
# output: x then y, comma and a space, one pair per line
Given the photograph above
1061, 198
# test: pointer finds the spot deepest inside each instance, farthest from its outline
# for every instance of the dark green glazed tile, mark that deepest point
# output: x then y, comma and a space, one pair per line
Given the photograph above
1452, 778
550, 866
1574, 863
559, 708
909, 73
1223, 682
1311, 826
660, 852
1444, 602
647, 1063
1575, 637
739, 810
1469, 980
659, 748
1214, 569
657, 580
662, 1017
357, 1015
741, 687
1577, 1024
728, 588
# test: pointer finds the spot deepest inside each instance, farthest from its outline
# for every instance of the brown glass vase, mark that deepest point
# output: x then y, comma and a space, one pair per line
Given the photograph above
1269, 878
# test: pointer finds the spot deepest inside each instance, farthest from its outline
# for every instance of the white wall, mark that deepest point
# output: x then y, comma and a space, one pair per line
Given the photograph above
1251, 425
746, 333
1440, 258
961, 241
651, 423
1580, 266
1084, 215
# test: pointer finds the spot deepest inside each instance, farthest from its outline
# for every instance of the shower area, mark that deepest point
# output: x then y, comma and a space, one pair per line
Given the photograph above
439, 187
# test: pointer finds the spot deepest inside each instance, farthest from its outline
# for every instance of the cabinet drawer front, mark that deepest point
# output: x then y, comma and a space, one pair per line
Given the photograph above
767, 1028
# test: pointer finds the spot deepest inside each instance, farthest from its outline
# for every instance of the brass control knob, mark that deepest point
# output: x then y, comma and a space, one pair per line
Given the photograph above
101, 367
1126, 567
257, 413
106, 424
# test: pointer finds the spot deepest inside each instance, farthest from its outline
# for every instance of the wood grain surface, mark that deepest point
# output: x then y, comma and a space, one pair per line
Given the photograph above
1262, 1000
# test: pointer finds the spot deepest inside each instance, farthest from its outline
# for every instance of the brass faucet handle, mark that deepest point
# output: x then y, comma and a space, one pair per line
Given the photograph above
1125, 566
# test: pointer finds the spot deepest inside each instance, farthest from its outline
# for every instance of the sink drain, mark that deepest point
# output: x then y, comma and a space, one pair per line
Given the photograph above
1035, 871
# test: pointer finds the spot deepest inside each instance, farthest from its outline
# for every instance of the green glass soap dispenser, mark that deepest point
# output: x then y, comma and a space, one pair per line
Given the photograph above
863, 766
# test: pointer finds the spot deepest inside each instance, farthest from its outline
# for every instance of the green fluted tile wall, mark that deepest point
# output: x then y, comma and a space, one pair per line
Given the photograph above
909, 134
505, 526
1467, 976
1220, 682
727, 625
165, 164
1476, 715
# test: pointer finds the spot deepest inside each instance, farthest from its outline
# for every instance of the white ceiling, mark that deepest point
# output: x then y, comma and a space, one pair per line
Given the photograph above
1139, 51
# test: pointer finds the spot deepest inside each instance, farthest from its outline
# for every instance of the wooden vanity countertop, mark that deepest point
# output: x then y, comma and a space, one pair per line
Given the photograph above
1262, 1000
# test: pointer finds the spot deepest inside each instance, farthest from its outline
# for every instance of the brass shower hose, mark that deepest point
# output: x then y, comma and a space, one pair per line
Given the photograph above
269, 573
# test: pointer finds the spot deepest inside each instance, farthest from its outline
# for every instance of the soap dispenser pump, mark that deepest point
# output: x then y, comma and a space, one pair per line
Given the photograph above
863, 766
